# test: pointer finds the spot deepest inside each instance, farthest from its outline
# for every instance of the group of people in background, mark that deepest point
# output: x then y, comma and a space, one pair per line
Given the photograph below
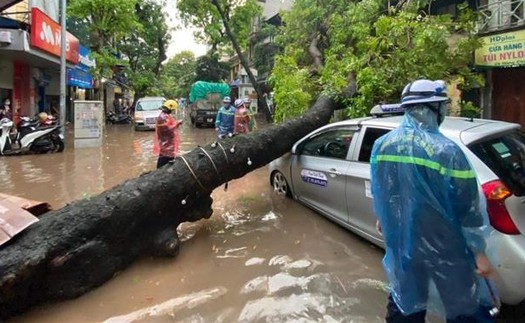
234, 119
231, 119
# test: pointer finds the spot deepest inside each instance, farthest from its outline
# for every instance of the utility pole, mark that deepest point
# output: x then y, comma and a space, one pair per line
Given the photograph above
63, 36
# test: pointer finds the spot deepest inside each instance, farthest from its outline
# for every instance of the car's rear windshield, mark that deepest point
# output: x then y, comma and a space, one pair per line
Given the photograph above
505, 156
149, 105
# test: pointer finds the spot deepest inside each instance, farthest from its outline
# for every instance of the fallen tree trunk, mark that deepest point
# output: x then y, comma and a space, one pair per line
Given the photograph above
82, 245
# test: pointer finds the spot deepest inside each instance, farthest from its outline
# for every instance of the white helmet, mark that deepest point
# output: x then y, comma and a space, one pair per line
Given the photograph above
424, 91
238, 103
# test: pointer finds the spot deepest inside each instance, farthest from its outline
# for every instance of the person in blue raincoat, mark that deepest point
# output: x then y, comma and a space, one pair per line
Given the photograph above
224, 122
429, 212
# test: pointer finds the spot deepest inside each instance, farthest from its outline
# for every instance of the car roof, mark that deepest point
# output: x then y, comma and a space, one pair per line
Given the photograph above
151, 98
466, 130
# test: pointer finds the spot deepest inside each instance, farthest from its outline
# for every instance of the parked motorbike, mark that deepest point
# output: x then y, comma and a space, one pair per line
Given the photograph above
113, 118
31, 137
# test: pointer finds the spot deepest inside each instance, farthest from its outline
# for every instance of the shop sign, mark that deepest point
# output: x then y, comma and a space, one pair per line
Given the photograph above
76, 77
85, 62
45, 35
502, 50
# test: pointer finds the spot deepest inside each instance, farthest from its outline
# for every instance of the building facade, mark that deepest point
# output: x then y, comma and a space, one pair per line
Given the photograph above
240, 82
502, 58
30, 55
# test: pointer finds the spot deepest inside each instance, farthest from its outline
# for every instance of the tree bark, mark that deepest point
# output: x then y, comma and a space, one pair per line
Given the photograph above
82, 245
315, 53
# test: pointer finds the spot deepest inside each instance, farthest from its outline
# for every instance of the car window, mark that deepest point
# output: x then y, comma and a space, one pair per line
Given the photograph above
149, 105
331, 144
505, 156
371, 135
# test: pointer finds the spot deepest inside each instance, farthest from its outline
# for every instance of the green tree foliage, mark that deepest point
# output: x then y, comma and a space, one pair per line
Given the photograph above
330, 45
108, 21
226, 24
203, 14
210, 69
130, 34
145, 50
264, 52
178, 74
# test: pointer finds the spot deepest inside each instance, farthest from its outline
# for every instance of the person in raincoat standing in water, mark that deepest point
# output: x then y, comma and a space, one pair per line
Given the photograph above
426, 198
167, 137
242, 118
225, 120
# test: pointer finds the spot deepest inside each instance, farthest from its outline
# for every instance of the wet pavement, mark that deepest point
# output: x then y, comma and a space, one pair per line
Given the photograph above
259, 258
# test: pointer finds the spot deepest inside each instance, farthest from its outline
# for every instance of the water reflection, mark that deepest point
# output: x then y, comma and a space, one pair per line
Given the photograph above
79, 173
171, 306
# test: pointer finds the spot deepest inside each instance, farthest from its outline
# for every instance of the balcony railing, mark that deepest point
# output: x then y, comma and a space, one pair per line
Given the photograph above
500, 15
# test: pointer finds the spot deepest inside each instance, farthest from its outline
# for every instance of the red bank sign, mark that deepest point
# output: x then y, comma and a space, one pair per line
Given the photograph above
45, 35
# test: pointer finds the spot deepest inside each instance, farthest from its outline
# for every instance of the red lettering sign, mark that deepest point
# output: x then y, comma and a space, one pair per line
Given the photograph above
45, 35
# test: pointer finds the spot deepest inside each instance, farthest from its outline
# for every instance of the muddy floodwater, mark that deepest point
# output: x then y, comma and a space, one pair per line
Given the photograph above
259, 258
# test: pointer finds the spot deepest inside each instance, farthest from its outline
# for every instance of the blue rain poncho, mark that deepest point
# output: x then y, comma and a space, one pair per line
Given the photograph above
427, 200
225, 120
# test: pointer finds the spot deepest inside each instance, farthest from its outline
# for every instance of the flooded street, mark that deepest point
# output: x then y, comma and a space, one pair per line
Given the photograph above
259, 258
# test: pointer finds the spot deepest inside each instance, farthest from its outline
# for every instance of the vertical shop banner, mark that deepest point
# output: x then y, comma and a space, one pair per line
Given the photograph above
21, 91
45, 35
502, 50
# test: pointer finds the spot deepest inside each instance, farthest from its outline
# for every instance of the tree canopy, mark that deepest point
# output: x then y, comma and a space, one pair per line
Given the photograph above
226, 24
107, 23
210, 69
131, 34
178, 73
370, 47
146, 50
203, 15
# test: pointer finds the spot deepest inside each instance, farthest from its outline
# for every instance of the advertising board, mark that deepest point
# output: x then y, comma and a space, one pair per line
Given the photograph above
502, 50
89, 122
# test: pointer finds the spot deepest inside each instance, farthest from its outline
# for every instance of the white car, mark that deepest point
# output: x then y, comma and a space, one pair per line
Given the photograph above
147, 110
329, 171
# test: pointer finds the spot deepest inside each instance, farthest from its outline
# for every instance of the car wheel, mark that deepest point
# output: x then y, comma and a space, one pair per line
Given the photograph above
280, 185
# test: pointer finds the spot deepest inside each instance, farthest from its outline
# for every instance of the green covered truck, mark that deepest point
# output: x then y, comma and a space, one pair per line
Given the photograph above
205, 102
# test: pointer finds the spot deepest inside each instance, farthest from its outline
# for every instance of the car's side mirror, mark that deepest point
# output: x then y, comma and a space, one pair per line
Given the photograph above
297, 149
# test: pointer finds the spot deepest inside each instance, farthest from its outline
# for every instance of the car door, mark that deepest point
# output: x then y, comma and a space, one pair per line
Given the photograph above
319, 170
358, 187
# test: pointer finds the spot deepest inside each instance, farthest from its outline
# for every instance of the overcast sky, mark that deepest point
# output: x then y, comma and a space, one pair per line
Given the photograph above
182, 38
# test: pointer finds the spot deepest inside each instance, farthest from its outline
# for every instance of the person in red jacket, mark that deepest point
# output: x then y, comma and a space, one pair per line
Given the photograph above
167, 137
